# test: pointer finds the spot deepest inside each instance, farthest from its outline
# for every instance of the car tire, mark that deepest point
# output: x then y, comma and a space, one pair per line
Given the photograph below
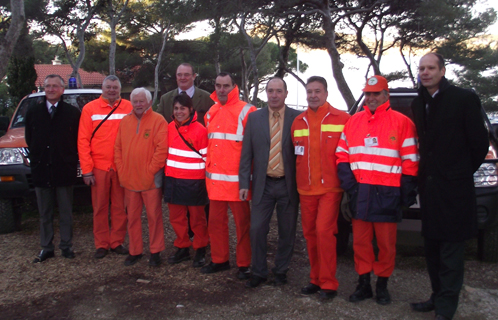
488, 245
7, 221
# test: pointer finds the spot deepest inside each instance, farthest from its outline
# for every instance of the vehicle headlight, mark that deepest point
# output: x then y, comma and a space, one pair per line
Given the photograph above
486, 176
9, 156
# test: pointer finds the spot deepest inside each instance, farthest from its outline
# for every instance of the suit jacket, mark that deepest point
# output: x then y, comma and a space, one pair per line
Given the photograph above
53, 144
201, 100
453, 142
256, 153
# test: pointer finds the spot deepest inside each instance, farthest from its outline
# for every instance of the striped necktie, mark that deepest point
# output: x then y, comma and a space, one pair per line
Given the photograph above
275, 147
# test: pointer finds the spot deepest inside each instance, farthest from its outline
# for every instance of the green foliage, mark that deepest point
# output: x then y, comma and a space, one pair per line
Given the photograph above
21, 78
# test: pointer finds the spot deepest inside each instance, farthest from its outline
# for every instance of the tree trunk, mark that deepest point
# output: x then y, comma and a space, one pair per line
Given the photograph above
158, 64
9, 41
113, 21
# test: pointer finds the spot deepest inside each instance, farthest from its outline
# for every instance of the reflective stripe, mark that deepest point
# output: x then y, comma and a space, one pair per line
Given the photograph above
242, 115
413, 157
183, 165
332, 127
203, 151
341, 149
369, 166
374, 151
409, 142
225, 136
183, 153
222, 177
301, 133
114, 116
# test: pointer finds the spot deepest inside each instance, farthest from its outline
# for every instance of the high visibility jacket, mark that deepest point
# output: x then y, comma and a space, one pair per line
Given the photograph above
99, 151
225, 127
140, 151
374, 152
331, 128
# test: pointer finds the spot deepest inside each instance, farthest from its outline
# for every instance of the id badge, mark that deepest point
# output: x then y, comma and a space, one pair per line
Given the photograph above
371, 142
299, 150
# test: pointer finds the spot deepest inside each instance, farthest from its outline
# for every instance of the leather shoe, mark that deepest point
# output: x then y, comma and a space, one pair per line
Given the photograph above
100, 253
155, 260
244, 273
199, 258
327, 294
68, 253
120, 250
254, 281
425, 306
44, 255
182, 254
215, 267
132, 259
280, 279
310, 289
441, 317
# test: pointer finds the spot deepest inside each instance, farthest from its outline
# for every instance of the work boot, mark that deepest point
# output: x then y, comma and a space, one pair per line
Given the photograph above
180, 255
383, 296
363, 290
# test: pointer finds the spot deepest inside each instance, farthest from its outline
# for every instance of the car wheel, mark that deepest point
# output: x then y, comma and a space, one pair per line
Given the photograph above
7, 222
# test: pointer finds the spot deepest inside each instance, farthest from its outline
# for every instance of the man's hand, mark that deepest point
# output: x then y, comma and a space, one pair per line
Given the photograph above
243, 193
89, 179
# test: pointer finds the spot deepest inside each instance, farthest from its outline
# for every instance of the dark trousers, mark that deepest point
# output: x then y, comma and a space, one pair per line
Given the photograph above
275, 193
45, 198
445, 264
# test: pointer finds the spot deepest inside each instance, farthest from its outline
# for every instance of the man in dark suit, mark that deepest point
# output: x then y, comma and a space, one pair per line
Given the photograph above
453, 142
51, 136
185, 77
267, 147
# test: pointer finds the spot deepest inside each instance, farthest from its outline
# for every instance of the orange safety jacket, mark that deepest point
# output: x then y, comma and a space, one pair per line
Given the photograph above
140, 151
332, 125
183, 162
225, 127
99, 151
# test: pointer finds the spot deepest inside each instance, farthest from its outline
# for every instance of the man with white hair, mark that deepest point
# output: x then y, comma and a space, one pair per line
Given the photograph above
140, 154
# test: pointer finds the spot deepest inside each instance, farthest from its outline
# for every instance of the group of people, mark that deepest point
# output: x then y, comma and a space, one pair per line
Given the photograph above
218, 151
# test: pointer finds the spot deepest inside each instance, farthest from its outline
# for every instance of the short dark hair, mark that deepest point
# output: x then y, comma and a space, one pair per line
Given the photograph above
185, 64
224, 74
52, 76
317, 79
272, 78
440, 59
184, 100
111, 78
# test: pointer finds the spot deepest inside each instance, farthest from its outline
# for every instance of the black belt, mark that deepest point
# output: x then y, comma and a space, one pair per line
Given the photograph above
275, 178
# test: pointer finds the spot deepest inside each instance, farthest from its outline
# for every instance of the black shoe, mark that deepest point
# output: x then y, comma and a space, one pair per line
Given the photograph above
199, 258
155, 259
254, 281
68, 253
382, 295
244, 273
182, 254
363, 290
120, 250
310, 289
441, 317
44, 255
327, 294
280, 279
425, 306
131, 259
100, 253
216, 267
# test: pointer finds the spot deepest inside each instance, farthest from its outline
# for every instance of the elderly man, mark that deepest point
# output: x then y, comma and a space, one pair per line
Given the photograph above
315, 134
453, 144
225, 123
377, 161
185, 77
99, 125
51, 136
268, 152
140, 154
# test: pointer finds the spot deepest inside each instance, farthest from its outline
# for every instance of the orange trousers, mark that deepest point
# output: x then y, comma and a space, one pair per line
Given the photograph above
319, 220
364, 257
134, 202
198, 224
218, 231
105, 189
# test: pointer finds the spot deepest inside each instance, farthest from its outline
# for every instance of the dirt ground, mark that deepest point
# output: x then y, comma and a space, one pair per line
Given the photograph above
86, 288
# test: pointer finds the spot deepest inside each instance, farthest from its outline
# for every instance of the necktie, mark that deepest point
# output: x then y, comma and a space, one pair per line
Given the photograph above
52, 111
275, 147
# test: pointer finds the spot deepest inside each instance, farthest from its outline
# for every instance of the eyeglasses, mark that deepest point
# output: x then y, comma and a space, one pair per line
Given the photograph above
181, 75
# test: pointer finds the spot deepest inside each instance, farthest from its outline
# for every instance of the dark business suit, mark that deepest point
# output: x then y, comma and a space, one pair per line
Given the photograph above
201, 101
266, 192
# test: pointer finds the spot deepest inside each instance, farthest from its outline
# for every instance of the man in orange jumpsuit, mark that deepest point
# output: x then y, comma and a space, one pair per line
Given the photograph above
315, 134
97, 132
140, 154
225, 123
